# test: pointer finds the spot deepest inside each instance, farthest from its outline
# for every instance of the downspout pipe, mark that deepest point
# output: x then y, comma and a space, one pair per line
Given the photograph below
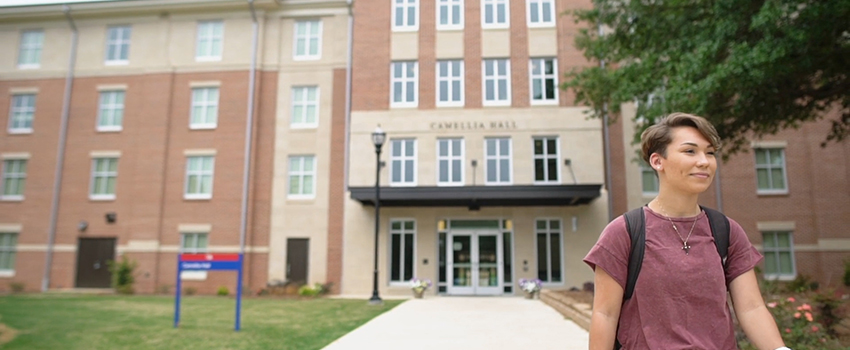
60, 153
348, 90
606, 139
249, 128
718, 193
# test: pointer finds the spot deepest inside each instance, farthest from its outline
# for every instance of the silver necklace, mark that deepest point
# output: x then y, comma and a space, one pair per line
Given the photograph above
685, 245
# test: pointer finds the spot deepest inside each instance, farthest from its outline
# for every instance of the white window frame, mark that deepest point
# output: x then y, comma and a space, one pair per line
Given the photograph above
19, 178
496, 78
405, 6
775, 251
545, 157
107, 102
404, 82
193, 275
119, 43
540, 13
451, 6
23, 113
308, 38
549, 232
451, 160
495, 4
647, 171
208, 106
207, 34
770, 167
402, 281
402, 158
543, 77
201, 173
101, 194
8, 247
301, 174
449, 79
299, 120
498, 158
32, 42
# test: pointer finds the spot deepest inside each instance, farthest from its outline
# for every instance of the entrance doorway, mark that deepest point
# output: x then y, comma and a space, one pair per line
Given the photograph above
93, 255
297, 254
474, 260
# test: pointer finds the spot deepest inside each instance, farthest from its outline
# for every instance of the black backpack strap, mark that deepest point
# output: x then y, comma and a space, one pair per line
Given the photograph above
719, 224
636, 226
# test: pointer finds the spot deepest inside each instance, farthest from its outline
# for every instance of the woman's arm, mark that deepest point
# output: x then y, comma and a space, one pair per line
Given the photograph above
607, 300
755, 319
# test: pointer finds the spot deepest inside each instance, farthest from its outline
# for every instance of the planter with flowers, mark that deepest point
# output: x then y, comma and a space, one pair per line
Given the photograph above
531, 287
419, 286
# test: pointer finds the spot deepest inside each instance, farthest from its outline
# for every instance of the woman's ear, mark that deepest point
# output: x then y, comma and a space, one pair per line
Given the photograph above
655, 161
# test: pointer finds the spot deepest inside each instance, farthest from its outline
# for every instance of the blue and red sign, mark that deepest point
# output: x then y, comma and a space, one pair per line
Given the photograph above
209, 262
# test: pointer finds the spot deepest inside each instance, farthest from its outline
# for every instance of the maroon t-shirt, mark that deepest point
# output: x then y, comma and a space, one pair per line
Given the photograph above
679, 300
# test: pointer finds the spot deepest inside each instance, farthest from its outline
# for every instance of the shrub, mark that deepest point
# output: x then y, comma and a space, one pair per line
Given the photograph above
802, 284
847, 273
799, 328
310, 290
190, 291
223, 291
122, 275
17, 287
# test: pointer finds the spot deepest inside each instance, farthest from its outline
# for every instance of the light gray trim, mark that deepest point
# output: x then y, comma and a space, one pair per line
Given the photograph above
249, 128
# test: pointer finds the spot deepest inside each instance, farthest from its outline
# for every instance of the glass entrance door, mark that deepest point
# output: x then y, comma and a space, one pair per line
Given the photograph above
475, 263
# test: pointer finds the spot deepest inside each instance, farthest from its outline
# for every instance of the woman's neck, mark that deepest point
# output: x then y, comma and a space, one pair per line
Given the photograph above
675, 206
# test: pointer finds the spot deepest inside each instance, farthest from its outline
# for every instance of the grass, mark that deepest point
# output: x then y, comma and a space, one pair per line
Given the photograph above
49, 321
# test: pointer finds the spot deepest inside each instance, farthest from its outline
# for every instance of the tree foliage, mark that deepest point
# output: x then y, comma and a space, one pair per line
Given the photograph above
752, 67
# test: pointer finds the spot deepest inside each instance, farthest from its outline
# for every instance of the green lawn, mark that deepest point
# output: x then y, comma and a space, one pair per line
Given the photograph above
50, 321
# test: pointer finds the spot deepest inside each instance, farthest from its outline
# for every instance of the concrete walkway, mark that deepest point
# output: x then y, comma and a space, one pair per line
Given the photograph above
467, 323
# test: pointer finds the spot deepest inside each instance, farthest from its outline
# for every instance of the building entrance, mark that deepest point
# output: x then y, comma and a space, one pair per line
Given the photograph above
474, 259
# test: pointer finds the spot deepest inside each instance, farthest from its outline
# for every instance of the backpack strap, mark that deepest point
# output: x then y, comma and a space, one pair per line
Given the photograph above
719, 224
636, 226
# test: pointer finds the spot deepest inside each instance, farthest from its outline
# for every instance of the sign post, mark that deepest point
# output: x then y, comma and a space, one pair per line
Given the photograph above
209, 262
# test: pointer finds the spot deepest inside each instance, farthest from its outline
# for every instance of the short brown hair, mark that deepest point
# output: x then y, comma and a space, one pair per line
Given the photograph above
657, 137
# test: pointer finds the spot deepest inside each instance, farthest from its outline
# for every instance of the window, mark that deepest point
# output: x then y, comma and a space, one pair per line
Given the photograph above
193, 242
111, 111
204, 108
402, 248
199, 177
495, 14
544, 81
541, 13
403, 163
778, 254
308, 40
14, 179
104, 173
302, 175
117, 44
8, 242
546, 160
305, 107
450, 14
649, 181
405, 15
549, 262
498, 160
770, 170
210, 35
29, 55
497, 83
21, 115
404, 84
450, 162
450, 83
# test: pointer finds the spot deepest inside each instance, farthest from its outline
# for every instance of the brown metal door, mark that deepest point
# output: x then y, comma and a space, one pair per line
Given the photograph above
297, 254
92, 266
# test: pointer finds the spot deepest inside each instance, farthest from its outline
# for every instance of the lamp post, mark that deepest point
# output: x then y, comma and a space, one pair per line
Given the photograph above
378, 138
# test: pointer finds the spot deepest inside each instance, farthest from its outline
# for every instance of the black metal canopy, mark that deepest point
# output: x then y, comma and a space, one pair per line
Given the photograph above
479, 196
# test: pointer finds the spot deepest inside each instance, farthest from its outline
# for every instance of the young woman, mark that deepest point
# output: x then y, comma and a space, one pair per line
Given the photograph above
679, 299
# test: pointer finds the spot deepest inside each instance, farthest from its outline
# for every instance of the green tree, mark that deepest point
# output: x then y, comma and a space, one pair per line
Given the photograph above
752, 67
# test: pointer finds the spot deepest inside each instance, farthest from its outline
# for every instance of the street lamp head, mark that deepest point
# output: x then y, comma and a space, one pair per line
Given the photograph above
378, 137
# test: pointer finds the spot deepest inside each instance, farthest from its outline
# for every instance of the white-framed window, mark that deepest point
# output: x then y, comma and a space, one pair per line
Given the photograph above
194, 242
110, 112
14, 179
22, 113
405, 84
104, 175
8, 246
210, 38
546, 168
648, 180
495, 14
450, 83
305, 107
29, 53
497, 82
405, 15
199, 177
308, 40
118, 44
450, 162
403, 162
770, 171
779, 260
550, 262
302, 177
402, 250
541, 13
497, 156
450, 14
544, 80
204, 108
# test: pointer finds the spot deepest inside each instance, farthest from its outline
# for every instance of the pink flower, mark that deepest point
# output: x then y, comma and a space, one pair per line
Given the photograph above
771, 305
796, 315
791, 299
809, 316
787, 330
806, 307
815, 328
